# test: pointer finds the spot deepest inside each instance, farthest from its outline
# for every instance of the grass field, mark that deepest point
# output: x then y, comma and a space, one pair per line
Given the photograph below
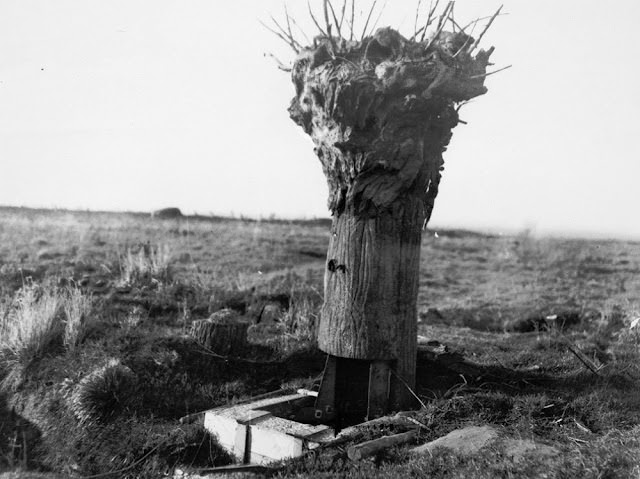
97, 367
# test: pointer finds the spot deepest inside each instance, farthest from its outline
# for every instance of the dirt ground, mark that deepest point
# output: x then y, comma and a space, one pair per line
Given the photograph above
549, 327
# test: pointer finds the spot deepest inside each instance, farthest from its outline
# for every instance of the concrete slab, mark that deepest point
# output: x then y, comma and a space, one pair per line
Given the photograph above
262, 431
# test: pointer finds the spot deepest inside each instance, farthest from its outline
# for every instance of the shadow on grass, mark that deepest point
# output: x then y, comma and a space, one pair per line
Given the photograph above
18, 438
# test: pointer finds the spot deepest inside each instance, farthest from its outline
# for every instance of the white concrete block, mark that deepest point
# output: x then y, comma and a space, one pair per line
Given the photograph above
268, 445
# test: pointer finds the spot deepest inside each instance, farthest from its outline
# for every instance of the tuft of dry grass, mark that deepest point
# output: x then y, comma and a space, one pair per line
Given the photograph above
147, 264
31, 326
77, 307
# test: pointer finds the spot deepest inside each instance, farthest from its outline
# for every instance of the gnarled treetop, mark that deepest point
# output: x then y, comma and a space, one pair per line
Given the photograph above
380, 109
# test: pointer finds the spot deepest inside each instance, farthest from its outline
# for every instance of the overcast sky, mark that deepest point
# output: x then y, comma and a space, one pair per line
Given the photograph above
137, 105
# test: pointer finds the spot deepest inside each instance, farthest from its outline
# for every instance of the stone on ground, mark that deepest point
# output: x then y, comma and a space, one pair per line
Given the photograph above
468, 440
519, 449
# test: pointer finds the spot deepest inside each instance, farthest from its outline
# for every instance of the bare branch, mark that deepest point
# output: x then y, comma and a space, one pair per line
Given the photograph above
279, 35
453, 22
353, 17
328, 23
373, 29
466, 42
429, 19
441, 24
474, 22
420, 30
415, 22
326, 16
288, 34
445, 15
293, 20
364, 30
490, 73
316, 21
477, 42
335, 19
286, 13
344, 9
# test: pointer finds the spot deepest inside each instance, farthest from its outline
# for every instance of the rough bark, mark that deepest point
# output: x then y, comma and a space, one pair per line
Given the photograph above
380, 113
221, 337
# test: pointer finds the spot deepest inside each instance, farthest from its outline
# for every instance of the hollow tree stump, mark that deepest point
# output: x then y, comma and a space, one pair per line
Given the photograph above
380, 112
223, 333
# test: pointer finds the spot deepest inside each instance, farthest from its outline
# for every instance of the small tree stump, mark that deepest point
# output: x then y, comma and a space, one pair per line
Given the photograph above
225, 332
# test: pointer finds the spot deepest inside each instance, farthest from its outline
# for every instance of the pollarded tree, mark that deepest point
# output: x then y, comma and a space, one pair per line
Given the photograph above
380, 110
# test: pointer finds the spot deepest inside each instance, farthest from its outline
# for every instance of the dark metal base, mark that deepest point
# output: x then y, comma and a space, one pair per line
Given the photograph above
352, 391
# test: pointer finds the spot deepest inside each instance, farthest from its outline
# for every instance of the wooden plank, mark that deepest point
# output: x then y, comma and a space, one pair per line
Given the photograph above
378, 397
369, 448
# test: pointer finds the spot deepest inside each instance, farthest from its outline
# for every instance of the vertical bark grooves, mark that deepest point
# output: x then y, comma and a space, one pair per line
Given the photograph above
370, 308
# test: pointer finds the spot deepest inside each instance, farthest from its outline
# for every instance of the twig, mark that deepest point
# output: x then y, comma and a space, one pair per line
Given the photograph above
288, 34
286, 13
415, 23
424, 406
335, 19
309, 42
583, 359
287, 41
490, 73
316, 21
466, 42
364, 30
326, 16
344, 9
384, 5
474, 22
441, 24
477, 42
280, 65
353, 17
453, 22
429, 18
416, 422
445, 15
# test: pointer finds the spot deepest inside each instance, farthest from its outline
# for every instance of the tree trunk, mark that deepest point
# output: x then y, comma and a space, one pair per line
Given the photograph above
380, 113
371, 285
